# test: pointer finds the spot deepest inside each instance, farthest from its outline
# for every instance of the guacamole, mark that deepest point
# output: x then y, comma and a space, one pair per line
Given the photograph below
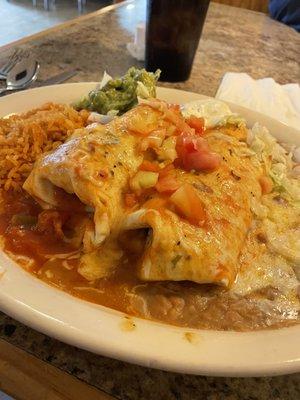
120, 94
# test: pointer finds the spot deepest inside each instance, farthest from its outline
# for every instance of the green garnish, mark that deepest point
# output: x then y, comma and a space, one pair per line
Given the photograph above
121, 94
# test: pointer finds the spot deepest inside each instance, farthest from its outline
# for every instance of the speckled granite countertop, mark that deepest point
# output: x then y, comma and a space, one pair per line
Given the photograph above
233, 40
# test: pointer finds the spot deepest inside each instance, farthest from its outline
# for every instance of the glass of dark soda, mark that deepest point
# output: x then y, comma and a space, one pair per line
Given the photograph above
172, 35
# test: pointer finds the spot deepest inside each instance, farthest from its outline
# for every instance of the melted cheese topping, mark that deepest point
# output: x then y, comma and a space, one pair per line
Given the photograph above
247, 244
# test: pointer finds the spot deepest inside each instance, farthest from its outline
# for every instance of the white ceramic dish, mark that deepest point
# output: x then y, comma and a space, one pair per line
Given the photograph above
105, 331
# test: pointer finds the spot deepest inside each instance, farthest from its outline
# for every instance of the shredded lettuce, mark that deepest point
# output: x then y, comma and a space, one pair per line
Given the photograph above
286, 243
277, 161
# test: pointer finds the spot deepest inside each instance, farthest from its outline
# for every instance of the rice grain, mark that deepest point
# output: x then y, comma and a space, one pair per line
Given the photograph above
24, 137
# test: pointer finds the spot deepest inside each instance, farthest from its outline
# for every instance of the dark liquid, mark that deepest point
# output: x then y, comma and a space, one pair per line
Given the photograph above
173, 31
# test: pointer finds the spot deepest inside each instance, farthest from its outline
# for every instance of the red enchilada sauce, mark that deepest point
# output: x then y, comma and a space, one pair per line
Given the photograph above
22, 236
179, 303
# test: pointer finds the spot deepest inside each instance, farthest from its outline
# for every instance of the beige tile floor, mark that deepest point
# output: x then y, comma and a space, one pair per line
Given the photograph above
19, 18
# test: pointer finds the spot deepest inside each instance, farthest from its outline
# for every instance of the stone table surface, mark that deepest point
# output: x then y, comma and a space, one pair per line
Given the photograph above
233, 40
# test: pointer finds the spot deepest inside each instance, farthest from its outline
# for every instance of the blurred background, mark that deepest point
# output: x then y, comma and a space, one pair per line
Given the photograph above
20, 18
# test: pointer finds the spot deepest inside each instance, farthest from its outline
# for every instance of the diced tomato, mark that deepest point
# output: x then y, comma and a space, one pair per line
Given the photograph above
189, 205
167, 182
196, 123
266, 184
165, 171
149, 166
130, 200
190, 144
201, 162
194, 153
174, 107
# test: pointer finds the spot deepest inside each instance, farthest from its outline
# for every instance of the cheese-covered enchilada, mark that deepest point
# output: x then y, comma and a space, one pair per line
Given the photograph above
167, 214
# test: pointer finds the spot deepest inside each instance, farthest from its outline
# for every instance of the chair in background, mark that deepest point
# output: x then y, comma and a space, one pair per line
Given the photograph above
47, 4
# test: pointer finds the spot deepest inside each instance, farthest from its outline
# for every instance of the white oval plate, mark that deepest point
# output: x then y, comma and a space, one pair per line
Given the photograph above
102, 330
